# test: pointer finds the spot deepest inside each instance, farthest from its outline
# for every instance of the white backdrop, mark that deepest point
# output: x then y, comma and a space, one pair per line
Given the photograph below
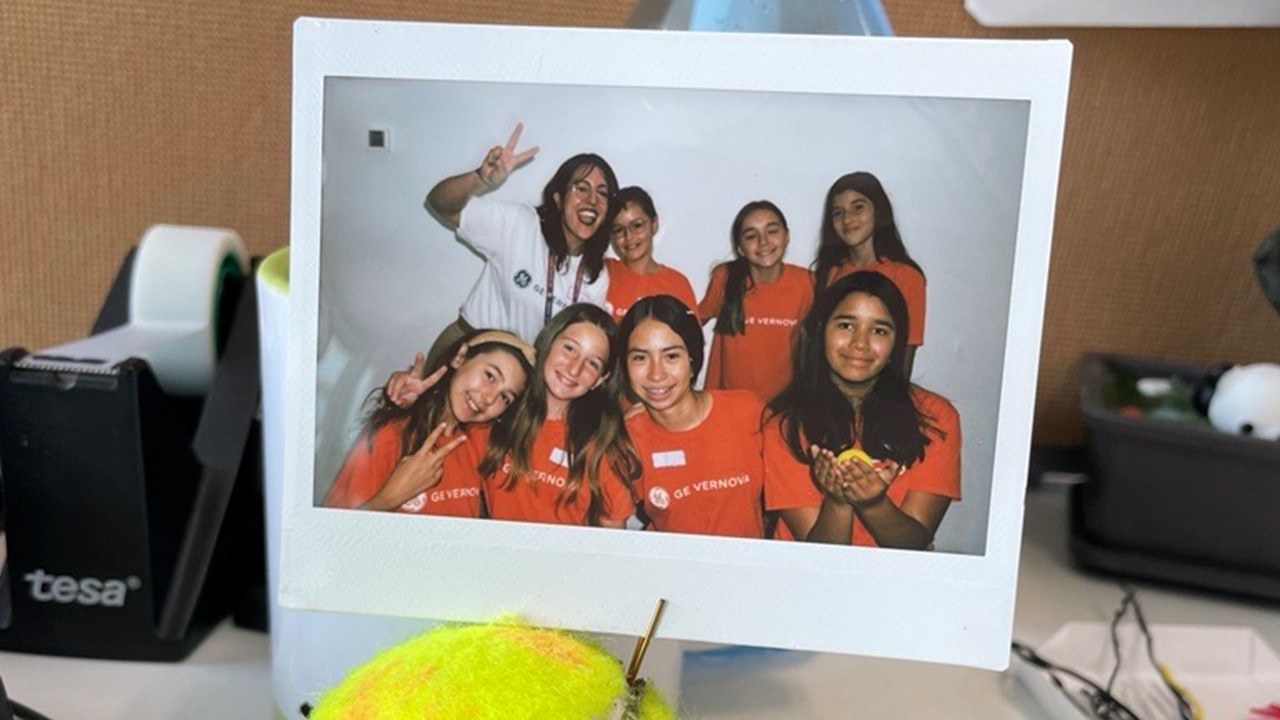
391, 276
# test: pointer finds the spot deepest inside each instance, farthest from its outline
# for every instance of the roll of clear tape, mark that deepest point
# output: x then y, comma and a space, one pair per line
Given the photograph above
178, 277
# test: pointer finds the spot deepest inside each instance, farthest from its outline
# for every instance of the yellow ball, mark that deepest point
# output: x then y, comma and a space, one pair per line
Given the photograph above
854, 452
502, 671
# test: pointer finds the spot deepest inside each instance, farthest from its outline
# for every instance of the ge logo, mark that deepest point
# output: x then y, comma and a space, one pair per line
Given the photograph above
414, 504
659, 498
522, 279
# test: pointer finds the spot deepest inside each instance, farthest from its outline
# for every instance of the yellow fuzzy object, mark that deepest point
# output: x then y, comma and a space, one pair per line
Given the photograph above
501, 671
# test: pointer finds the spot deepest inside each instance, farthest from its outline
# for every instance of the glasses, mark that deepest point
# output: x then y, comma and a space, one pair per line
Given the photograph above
582, 190
638, 227
1100, 702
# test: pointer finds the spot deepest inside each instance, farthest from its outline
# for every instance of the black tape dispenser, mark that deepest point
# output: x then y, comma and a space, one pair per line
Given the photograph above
119, 459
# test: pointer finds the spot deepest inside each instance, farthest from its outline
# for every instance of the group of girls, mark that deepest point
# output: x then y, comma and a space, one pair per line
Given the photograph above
553, 445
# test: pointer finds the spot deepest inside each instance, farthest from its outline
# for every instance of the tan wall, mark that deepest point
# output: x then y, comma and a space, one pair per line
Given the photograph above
117, 116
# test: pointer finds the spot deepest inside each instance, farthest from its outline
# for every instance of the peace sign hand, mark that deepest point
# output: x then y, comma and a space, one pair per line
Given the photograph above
416, 473
406, 386
501, 160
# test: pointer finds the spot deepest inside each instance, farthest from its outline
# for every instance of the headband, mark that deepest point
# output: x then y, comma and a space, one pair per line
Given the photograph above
505, 338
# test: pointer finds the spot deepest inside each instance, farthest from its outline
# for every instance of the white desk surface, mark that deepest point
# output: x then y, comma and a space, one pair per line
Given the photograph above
228, 677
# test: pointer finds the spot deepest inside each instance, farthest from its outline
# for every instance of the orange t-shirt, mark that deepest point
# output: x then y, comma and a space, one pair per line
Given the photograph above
626, 287
371, 461
707, 480
790, 486
536, 497
759, 359
910, 283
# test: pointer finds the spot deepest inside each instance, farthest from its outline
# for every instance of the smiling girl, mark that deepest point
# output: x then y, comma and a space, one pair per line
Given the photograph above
701, 450
859, 233
849, 392
757, 301
537, 260
636, 273
565, 456
416, 458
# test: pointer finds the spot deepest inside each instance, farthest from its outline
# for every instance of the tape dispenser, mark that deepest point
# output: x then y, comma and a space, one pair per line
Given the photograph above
127, 532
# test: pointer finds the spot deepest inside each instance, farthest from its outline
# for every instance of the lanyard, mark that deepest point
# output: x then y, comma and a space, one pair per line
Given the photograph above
551, 288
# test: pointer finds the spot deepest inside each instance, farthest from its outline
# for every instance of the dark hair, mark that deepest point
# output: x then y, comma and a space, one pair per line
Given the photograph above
886, 242
732, 319
669, 311
427, 412
594, 429
551, 218
635, 195
813, 410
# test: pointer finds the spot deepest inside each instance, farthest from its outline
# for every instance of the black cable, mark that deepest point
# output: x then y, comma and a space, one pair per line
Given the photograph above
1185, 710
1115, 637
1103, 701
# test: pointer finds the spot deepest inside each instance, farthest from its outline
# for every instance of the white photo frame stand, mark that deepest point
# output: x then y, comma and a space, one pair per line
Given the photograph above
1001, 103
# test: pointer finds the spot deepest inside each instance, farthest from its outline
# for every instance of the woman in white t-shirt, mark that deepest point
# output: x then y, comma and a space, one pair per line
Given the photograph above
537, 260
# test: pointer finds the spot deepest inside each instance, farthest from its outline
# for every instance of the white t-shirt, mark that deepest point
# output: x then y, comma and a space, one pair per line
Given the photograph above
511, 291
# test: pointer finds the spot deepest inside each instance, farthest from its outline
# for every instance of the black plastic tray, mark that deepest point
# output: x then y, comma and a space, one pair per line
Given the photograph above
1172, 501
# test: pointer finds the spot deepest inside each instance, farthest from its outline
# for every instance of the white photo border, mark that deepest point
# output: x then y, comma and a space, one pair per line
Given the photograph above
915, 605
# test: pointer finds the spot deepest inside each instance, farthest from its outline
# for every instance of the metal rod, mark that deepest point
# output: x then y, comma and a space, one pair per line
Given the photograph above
642, 644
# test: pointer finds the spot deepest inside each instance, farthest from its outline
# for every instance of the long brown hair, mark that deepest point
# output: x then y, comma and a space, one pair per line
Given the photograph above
594, 430
427, 412
886, 241
551, 218
812, 409
732, 319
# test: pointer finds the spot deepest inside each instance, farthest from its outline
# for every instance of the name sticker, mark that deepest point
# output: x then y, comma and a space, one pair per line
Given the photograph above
560, 457
670, 458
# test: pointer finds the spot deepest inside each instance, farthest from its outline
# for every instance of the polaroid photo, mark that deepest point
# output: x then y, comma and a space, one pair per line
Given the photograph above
839, 242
